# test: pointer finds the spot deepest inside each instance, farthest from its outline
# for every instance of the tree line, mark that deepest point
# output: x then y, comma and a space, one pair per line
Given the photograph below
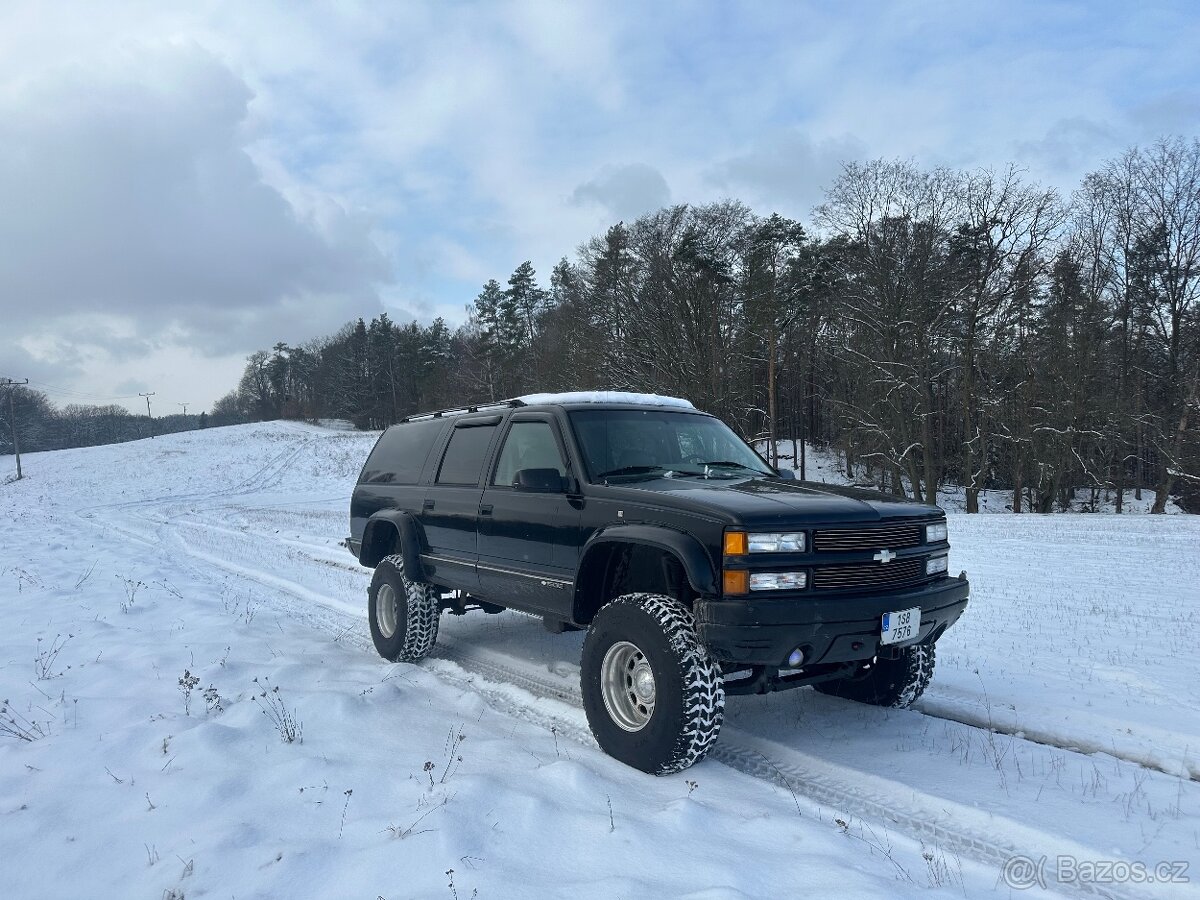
43, 426
936, 326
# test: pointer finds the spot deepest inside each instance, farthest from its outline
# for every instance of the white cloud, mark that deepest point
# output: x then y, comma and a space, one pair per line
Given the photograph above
134, 220
626, 191
1070, 146
785, 172
128, 192
212, 176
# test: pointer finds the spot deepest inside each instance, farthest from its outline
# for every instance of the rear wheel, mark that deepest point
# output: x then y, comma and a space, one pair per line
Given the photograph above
653, 697
897, 683
403, 614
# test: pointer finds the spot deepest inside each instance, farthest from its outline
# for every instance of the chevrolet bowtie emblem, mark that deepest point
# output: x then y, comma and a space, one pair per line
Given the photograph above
885, 556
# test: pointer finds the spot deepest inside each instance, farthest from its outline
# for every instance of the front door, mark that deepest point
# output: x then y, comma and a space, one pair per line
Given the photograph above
528, 541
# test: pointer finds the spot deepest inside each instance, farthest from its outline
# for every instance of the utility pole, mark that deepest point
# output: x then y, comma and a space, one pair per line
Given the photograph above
12, 417
148, 416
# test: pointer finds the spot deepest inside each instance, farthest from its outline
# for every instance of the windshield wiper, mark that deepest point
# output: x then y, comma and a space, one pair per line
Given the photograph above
631, 470
728, 463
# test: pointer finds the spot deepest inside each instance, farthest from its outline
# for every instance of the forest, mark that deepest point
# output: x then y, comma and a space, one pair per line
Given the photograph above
935, 326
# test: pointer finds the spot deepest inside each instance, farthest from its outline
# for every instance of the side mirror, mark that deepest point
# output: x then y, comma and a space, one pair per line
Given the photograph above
539, 481
787, 474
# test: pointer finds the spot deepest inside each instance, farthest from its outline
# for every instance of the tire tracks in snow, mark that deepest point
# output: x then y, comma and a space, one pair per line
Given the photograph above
977, 714
932, 706
555, 704
519, 691
948, 826
263, 477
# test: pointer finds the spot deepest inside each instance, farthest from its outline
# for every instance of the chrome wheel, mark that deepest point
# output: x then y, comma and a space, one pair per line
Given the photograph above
385, 610
627, 686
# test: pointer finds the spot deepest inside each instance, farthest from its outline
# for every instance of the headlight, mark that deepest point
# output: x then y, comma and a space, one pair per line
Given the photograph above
778, 581
777, 542
936, 565
935, 533
738, 543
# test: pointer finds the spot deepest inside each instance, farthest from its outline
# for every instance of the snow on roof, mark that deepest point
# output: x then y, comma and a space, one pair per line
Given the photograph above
605, 397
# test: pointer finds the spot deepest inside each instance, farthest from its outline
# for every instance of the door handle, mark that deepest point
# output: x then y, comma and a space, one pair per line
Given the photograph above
427, 504
485, 509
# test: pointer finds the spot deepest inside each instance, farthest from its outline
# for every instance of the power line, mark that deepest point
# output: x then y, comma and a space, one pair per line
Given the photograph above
70, 392
82, 396
12, 417
148, 415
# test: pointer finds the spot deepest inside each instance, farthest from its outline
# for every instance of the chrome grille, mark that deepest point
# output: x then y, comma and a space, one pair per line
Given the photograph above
899, 573
895, 536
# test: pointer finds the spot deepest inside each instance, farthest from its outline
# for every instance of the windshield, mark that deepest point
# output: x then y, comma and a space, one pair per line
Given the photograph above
631, 442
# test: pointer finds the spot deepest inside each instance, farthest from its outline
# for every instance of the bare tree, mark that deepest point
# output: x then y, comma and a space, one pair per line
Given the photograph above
1150, 204
897, 304
997, 249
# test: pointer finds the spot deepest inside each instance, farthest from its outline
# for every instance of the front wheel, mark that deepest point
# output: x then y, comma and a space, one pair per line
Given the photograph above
897, 683
654, 698
403, 614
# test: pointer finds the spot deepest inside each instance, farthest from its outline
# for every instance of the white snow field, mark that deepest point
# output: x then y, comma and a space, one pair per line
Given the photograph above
152, 593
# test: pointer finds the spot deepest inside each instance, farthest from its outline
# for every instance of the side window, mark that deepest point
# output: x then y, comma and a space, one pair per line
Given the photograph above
399, 455
463, 459
529, 445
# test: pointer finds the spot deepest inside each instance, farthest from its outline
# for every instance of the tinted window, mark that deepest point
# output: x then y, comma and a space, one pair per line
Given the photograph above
529, 445
685, 442
400, 454
463, 460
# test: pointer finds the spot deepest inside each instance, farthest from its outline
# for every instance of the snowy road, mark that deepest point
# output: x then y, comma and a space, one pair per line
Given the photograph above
1059, 725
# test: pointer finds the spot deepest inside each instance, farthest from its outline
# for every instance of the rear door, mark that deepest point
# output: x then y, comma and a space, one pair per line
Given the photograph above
528, 542
391, 476
450, 510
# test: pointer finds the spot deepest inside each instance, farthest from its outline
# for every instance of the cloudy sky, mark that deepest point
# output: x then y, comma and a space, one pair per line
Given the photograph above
181, 186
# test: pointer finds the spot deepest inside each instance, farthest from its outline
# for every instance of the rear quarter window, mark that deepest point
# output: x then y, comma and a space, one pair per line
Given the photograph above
400, 453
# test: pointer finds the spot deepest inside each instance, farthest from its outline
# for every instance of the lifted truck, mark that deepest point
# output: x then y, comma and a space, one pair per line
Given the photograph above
697, 569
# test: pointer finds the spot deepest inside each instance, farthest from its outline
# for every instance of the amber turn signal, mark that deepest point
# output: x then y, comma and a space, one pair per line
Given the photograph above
736, 543
736, 581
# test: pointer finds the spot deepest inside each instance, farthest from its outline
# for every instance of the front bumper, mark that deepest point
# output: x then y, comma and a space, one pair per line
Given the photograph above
831, 629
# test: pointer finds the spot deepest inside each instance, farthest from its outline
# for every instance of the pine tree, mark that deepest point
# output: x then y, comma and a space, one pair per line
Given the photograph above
494, 328
770, 311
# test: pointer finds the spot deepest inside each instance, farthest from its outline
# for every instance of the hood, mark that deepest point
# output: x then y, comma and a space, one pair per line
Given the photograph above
775, 502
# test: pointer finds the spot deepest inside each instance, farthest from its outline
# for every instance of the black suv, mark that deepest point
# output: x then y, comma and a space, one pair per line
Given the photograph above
697, 569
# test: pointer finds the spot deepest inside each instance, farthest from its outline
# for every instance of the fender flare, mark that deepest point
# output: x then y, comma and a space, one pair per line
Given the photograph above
697, 563
410, 541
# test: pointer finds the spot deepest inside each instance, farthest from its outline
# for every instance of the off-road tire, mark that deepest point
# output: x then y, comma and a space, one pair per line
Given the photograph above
896, 683
416, 612
689, 694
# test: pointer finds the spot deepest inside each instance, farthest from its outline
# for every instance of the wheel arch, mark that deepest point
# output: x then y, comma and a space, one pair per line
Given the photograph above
388, 532
683, 557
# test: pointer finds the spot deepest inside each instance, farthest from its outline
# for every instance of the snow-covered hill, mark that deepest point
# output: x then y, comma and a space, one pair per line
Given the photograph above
167, 606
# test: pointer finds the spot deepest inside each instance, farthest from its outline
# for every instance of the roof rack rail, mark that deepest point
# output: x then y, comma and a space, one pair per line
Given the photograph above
460, 410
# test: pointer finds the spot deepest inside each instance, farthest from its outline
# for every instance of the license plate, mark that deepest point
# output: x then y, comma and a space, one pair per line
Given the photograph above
901, 626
